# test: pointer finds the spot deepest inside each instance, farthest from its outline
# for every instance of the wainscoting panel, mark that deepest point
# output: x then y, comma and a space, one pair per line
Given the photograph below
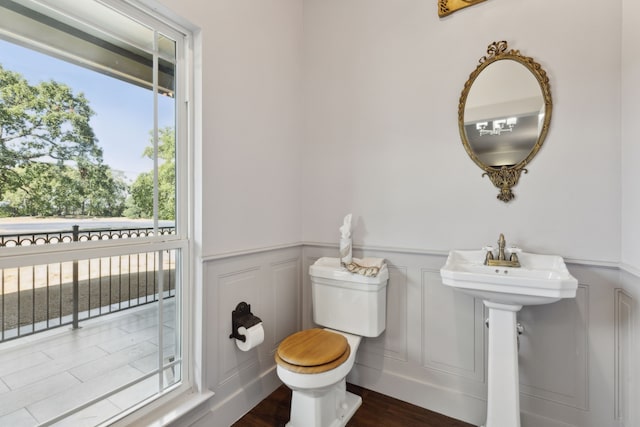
393, 342
453, 329
628, 368
566, 352
286, 299
307, 309
432, 351
553, 351
235, 287
578, 357
270, 282
623, 338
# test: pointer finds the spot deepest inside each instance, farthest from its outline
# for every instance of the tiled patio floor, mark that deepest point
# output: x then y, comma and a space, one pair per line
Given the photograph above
45, 374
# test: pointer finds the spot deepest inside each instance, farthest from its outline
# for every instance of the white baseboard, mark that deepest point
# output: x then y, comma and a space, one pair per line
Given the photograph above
231, 409
532, 420
445, 401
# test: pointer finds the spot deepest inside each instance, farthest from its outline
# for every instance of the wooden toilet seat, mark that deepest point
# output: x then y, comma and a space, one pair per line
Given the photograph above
312, 351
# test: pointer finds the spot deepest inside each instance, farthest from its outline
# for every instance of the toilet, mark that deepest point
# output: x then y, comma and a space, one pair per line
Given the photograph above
314, 363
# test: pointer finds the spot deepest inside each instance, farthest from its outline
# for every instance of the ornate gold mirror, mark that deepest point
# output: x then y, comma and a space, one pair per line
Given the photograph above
504, 115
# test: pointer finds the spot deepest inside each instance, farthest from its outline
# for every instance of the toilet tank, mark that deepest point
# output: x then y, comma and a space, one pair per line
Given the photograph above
348, 302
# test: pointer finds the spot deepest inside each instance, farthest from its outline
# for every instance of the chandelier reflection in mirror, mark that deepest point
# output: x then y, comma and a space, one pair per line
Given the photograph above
498, 127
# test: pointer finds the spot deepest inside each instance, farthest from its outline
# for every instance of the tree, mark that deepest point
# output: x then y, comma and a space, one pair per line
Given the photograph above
62, 190
50, 160
104, 192
140, 203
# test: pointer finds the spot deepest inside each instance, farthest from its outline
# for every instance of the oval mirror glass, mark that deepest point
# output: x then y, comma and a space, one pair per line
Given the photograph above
504, 115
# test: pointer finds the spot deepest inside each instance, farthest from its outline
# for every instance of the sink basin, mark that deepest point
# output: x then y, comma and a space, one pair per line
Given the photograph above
541, 279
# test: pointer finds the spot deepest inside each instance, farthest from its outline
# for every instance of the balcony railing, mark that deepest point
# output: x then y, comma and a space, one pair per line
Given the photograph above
40, 297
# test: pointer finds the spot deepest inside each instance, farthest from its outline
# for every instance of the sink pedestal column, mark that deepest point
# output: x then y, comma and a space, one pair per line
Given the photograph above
503, 400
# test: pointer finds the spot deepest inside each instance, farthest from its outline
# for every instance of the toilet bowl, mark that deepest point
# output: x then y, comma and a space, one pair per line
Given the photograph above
314, 363
321, 398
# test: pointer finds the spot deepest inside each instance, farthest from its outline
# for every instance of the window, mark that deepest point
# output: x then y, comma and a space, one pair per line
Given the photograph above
94, 219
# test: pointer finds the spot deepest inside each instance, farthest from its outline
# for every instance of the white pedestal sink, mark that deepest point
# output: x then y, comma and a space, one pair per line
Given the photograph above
541, 279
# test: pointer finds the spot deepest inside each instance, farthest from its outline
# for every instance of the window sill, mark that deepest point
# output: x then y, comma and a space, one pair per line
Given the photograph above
165, 412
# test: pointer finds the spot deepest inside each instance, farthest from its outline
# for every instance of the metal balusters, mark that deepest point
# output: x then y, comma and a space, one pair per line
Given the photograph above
17, 293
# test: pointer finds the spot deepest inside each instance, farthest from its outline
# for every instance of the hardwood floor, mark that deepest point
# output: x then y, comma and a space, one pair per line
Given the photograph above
377, 410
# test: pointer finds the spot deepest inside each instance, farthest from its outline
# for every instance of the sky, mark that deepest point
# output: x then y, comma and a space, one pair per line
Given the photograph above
123, 112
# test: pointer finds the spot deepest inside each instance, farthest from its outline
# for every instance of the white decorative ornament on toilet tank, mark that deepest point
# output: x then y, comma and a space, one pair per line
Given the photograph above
345, 241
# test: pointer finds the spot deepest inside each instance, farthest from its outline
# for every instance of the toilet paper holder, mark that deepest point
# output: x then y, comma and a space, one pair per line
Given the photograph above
242, 316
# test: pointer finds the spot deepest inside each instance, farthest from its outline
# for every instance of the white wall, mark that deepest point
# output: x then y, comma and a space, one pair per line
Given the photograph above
251, 115
382, 83
316, 108
630, 208
630, 145
250, 103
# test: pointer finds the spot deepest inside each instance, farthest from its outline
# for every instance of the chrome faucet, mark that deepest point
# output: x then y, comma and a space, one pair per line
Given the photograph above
502, 260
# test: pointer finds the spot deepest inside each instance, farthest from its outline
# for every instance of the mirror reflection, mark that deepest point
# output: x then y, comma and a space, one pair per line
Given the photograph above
504, 113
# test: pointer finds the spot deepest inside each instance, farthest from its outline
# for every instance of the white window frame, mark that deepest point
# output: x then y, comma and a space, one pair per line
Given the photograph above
184, 237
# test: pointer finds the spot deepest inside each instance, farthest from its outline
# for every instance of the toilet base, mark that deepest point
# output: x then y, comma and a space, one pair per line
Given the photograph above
330, 407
